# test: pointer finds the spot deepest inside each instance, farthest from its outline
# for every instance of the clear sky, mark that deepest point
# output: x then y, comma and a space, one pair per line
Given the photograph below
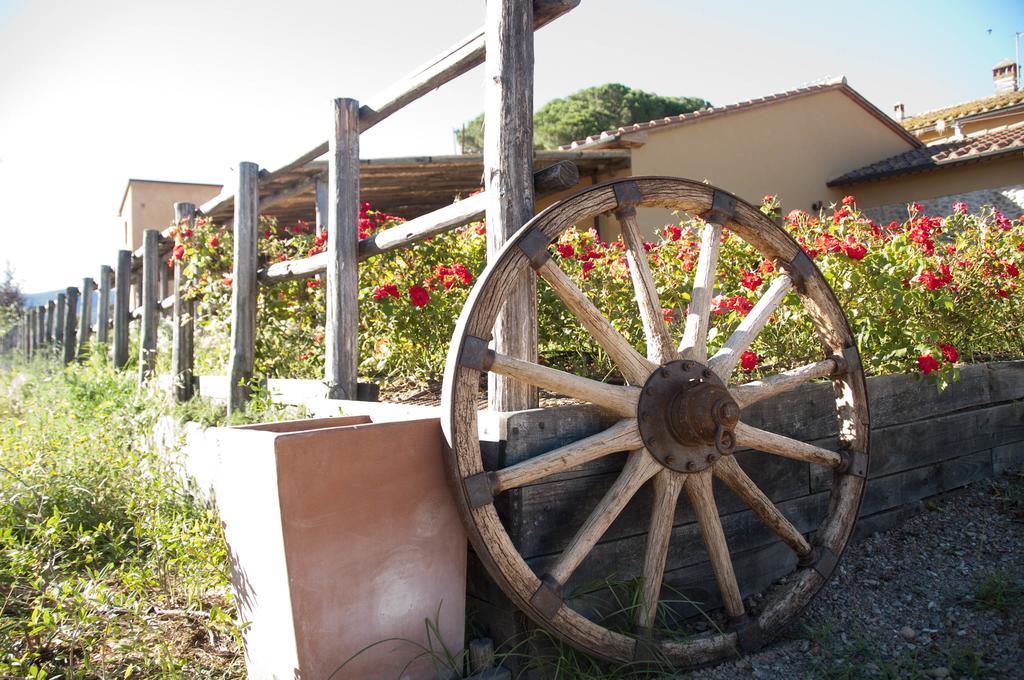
92, 93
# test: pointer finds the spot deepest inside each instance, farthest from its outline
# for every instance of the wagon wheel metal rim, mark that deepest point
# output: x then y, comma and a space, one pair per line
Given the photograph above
539, 595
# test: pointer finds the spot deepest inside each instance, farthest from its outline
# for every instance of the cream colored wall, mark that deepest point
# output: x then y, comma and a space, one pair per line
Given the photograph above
150, 205
789, 148
944, 182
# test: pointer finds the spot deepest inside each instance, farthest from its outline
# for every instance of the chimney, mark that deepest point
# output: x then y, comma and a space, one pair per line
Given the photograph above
1005, 76
899, 111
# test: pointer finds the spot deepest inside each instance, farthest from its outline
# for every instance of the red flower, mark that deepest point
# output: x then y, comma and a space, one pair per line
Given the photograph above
418, 296
748, 360
186, 233
1011, 269
849, 200
927, 363
855, 251
959, 208
387, 290
766, 267
915, 208
840, 214
463, 274
179, 252
1003, 293
587, 266
267, 233
313, 284
668, 315
933, 281
949, 352
565, 250
739, 304
214, 241
751, 281
673, 232
226, 281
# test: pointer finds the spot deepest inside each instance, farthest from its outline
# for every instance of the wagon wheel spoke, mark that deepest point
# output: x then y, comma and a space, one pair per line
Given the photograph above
667, 485
698, 489
756, 390
640, 467
725, 359
634, 366
660, 347
619, 399
769, 442
623, 436
730, 472
698, 319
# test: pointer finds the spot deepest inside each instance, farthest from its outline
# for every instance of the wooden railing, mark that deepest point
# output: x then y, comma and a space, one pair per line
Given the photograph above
138, 287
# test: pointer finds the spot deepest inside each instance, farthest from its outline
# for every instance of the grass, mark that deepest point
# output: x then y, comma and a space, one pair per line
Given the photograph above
999, 593
108, 566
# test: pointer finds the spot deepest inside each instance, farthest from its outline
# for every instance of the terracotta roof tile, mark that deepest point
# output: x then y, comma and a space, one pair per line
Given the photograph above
1000, 141
971, 108
836, 84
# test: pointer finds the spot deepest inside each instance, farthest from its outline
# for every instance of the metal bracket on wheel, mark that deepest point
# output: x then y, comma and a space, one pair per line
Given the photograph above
534, 245
825, 561
627, 196
548, 598
723, 208
749, 637
854, 463
475, 354
799, 270
479, 489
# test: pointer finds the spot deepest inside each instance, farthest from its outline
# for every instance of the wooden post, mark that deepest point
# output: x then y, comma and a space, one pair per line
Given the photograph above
321, 203
30, 320
150, 304
183, 322
51, 307
85, 318
122, 307
508, 181
26, 333
70, 324
58, 322
103, 317
340, 337
41, 325
243, 287
138, 290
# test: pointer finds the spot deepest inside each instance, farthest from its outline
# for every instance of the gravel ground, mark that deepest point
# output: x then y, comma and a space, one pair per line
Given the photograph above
942, 596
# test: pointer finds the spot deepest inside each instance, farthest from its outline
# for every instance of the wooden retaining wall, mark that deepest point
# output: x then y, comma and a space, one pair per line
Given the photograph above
924, 443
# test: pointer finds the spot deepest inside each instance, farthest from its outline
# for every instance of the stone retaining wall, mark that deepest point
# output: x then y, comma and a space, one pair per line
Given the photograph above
1008, 200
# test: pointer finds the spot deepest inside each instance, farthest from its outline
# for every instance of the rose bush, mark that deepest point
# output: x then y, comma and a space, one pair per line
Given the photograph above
922, 295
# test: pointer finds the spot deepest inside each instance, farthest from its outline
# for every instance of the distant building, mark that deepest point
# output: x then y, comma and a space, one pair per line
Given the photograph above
974, 153
149, 204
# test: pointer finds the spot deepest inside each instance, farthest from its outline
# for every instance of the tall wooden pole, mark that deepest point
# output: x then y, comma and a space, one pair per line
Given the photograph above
51, 308
85, 320
122, 306
150, 304
340, 336
183, 322
70, 324
103, 315
243, 287
58, 322
26, 333
508, 181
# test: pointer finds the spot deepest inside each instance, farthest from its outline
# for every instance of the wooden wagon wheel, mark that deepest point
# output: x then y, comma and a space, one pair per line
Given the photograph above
679, 420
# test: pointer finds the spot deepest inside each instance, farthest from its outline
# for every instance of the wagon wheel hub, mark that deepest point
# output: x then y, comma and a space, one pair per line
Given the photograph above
686, 416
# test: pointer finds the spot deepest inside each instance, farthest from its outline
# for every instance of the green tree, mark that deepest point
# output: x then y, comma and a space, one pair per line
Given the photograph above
11, 300
588, 112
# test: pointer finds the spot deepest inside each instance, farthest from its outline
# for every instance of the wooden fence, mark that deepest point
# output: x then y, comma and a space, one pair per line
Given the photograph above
140, 288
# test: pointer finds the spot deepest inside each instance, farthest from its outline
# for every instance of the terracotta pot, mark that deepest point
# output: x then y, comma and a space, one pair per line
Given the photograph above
342, 533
